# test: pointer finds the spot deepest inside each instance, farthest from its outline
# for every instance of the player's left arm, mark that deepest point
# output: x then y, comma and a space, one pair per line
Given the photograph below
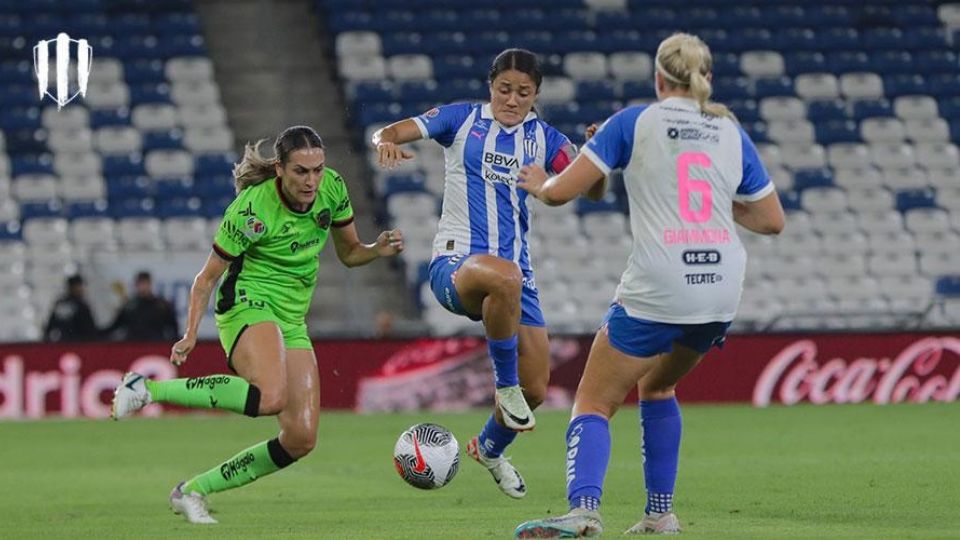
578, 177
352, 252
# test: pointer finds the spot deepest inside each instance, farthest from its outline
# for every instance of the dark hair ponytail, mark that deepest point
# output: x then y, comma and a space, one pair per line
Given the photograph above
521, 60
254, 168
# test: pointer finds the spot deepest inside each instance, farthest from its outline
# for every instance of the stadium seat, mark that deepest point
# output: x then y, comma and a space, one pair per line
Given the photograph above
882, 130
154, 116
140, 233
848, 155
938, 155
585, 65
631, 66
929, 130
167, 163
410, 67
762, 64
201, 116
93, 233
194, 93
36, 188
915, 107
118, 140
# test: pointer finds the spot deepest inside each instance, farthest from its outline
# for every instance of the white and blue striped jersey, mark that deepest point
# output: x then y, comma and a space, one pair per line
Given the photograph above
483, 211
682, 171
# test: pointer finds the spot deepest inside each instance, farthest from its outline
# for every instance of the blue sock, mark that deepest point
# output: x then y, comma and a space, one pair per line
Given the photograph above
504, 355
494, 438
661, 450
588, 452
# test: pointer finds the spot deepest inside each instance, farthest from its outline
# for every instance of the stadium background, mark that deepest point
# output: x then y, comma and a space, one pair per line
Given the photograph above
855, 107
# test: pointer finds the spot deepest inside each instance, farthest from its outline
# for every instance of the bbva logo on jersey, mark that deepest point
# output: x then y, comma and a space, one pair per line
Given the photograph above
503, 160
41, 66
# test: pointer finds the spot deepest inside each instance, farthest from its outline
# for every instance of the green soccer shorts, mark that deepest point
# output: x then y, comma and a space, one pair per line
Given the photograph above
233, 323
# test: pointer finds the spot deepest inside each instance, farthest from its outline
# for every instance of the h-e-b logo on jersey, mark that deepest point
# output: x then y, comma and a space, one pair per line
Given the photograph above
324, 219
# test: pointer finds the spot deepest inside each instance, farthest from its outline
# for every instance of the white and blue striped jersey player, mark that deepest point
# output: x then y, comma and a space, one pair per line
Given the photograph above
483, 211
682, 170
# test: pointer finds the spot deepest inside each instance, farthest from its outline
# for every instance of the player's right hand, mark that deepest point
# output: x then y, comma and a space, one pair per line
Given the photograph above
390, 155
182, 348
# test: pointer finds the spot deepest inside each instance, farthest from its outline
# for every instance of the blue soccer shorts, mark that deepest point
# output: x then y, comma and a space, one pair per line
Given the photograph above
443, 275
639, 337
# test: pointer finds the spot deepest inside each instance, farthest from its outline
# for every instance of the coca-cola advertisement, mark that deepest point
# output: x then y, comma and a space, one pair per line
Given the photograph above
39, 380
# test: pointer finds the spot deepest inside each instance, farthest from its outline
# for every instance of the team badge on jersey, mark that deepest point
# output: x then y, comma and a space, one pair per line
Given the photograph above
530, 147
254, 229
324, 219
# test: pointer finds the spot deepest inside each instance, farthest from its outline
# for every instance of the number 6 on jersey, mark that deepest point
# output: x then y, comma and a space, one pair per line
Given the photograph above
685, 185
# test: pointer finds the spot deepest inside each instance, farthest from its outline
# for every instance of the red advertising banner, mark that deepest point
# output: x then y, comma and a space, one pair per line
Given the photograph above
73, 380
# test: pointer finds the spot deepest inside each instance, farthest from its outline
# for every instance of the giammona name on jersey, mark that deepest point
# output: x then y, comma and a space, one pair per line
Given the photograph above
696, 236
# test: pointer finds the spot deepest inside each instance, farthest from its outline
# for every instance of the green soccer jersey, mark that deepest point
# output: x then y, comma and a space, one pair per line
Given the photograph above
274, 250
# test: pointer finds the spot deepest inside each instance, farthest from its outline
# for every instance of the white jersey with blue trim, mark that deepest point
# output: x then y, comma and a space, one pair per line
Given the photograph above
483, 211
682, 171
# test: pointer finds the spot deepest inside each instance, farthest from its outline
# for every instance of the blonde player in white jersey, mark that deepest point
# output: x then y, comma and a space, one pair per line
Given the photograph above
691, 173
481, 264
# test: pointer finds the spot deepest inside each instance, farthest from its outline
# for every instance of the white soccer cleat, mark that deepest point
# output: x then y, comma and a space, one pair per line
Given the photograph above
516, 412
577, 523
506, 475
191, 505
131, 396
655, 523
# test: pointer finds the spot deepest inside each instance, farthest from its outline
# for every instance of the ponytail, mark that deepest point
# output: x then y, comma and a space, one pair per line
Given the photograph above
253, 169
685, 61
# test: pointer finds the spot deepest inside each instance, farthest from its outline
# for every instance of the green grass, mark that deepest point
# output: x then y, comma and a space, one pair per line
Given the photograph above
801, 472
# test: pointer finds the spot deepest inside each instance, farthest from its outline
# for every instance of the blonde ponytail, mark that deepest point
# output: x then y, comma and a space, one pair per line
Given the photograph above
685, 61
253, 168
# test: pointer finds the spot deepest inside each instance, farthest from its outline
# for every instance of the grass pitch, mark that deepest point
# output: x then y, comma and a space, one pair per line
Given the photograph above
839, 472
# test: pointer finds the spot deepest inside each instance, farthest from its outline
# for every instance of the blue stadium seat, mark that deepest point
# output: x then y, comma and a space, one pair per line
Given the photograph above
811, 178
345, 21
796, 39
751, 39
10, 231
480, 18
126, 165
728, 88
136, 46
127, 24
746, 110
837, 131
376, 113
109, 117
133, 207
949, 107
909, 199
757, 131
456, 67
26, 141
168, 139
790, 200
464, 89
904, 85
86, 209
948, 285
141, 72
610, 203
830, 109
871, 108
842, 38
173, 188
847, 62
214, 207
939, 61
915, 15
182, 45
726, 65
783, 16
568, 42
46, 209
129, 186
740, 17
211, 165
366, 92
944, 86
887, 39
534, 41
925, 38
16, 73
404, 183
13, 47
893, 62
416, 91
699, 17
93, 23
13, 95
834, 15
177, 23
775, 86
214, 186
567, 20
17, 118
613, 21
654, 18
178, 207
395, 43
597, 91
804, 62
430, 20
150, 93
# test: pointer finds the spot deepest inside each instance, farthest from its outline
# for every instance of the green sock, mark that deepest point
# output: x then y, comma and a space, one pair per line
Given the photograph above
213, 392
254, 462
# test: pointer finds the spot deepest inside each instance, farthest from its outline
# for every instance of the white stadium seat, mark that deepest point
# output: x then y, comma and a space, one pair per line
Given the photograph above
893, 264
938, 155
943, 176
45, 231
93, 232
168, 163
841, 244
140, 233
108, 95
915, 107
861, 85
783, 108
585, 65
946, 241
154, 116
848, 155
202, 116
857, 178
195, 93
77, 163
928, 130
760, 64
905, 178
186, 233
830, 224
817, 86
823, 200
207, 140
410, 67
36, 187
603, 225
412, 204
939, 264
882, 130
889, 221
927, 220
557, 90
793, 132
803, 156
65, 118
892, 156
118, 140
892, 242
770, 155
189, 69
871, 200
631, 66
358, 43
363, 68
9, 209
70, 140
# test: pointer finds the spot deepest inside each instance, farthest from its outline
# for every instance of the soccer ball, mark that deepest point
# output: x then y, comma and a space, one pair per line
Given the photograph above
427, 456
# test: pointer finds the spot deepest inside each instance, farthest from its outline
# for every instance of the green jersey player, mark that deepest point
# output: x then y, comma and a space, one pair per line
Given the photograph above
268, 246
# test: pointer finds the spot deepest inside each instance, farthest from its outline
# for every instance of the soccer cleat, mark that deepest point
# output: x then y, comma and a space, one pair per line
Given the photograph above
577, 523
131, 396
508, 478
191, 505
656, 523
516, 413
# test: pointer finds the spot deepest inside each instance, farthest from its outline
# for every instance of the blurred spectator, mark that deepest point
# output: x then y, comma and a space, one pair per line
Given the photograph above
71, 318
145, 317
383, 325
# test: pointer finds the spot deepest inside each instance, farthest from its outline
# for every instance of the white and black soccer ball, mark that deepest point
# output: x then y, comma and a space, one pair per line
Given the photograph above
427, 456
